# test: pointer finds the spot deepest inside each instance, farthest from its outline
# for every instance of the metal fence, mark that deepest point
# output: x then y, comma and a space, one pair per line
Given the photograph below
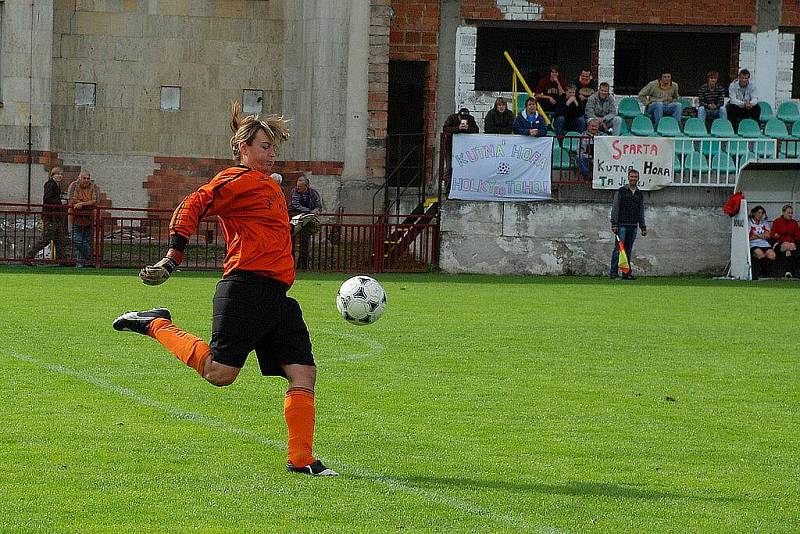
131, 238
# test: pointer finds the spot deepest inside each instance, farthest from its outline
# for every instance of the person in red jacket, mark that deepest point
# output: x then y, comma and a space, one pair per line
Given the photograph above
251, 310
785, 234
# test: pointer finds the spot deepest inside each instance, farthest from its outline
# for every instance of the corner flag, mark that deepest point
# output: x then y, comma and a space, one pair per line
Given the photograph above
623, 264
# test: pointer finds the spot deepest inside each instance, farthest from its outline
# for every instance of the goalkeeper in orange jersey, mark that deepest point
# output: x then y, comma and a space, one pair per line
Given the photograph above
251, 310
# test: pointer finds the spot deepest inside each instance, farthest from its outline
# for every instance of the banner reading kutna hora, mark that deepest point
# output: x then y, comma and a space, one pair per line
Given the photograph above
653, 157
502, 168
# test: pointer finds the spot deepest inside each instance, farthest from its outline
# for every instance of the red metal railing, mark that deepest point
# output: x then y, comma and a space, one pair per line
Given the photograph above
133, 237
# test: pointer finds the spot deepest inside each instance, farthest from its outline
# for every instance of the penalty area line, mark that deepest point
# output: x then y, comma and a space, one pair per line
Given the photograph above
396, 484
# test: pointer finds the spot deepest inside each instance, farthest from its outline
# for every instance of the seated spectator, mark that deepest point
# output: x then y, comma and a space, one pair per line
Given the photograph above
785, 233
743, 101
711, 98
548, 89
586, 147
460, 122
761, 252
601, 105
660, 97
585, 86
529, 121
499, 119
569, 113
304, 199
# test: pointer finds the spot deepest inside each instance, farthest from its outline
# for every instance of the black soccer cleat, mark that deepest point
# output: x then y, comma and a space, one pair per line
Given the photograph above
139, 321
316, 469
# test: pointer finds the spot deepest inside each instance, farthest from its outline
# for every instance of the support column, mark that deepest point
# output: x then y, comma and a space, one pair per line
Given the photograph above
605, 57
785, 67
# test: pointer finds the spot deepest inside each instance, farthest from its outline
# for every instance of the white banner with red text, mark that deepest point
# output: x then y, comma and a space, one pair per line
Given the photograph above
653, 157
501, 168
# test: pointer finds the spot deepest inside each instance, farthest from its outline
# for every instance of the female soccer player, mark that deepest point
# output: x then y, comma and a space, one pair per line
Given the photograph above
251, 310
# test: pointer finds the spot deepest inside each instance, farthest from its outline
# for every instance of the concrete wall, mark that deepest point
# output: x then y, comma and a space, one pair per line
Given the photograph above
211, 50
562, 239
25, 83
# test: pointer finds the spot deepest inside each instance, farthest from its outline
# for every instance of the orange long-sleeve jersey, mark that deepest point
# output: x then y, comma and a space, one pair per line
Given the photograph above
253, 217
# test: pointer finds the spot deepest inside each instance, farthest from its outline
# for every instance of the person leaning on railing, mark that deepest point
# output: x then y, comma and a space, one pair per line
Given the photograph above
83, 198
499, 119
54, 218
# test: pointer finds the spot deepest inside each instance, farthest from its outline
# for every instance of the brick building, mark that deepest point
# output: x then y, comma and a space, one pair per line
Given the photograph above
137, 91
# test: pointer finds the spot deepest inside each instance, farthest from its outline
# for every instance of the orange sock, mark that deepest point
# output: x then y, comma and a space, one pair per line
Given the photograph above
189, 349
298, 410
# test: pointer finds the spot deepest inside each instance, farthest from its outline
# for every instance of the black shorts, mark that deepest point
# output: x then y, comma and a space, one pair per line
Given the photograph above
254, 313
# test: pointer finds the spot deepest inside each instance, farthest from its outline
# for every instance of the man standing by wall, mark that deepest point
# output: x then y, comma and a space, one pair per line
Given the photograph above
627, 212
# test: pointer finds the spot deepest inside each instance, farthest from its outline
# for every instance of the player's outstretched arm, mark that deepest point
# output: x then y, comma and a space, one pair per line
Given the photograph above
157, 274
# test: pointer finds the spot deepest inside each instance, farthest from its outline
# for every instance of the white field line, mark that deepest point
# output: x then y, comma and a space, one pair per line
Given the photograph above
374, 347
397, 484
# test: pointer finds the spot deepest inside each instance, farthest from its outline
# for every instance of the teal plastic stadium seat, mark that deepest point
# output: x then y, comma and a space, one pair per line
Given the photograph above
686, 104
521, 98
560, 157
695, 162
789, 149
788, 112
695, 127
766, 112
796, 129
776, 129
722, 128
643, 126
722, 162
738, 148
669, 127
571, 141
624, 129
749, 129
710, 147
629, 108
684, 146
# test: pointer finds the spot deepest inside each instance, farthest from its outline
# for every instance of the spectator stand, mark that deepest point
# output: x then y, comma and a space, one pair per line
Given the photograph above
771, 184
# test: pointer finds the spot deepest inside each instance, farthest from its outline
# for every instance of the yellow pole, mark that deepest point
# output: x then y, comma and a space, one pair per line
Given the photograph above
514, 105
527, 88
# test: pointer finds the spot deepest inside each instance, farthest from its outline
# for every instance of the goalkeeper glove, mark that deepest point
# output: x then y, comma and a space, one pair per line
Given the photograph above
153, 275
306, 223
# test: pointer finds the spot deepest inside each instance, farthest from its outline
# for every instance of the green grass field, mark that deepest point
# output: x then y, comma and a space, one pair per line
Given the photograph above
477, 404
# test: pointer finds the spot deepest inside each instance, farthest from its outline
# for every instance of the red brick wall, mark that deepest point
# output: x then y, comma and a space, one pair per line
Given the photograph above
177, 177
790, 14
414, 36
378, 88
630, 11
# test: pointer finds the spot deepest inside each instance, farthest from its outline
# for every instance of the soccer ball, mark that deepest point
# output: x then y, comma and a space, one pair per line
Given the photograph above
361, 300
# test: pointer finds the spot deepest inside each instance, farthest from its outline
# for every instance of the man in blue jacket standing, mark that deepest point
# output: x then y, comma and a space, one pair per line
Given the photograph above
627, 212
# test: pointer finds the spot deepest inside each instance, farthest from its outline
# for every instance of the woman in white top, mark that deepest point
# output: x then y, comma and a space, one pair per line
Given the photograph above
761, 251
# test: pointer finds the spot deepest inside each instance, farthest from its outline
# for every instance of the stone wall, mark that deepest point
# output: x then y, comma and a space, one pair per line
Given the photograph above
576, 239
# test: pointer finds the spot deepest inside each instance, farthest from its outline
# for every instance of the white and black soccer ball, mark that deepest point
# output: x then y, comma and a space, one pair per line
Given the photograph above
503, 168
361, 300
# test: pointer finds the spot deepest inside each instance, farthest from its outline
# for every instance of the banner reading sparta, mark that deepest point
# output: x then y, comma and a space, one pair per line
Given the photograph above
653, 157
501, 168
